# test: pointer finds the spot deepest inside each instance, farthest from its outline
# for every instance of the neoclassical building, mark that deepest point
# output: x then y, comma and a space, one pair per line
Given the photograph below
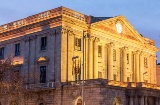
64, 57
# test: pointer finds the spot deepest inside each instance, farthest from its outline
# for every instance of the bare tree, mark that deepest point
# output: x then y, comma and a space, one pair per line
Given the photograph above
11, 82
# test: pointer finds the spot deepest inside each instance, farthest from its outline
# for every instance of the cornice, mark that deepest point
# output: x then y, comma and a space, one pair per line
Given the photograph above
41, 19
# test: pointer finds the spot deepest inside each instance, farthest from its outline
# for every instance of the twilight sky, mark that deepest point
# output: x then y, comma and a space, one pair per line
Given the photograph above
144, 15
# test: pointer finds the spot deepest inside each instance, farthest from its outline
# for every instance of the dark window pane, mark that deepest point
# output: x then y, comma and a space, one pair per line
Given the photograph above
43, 43
42, 74
2, 53
17, 49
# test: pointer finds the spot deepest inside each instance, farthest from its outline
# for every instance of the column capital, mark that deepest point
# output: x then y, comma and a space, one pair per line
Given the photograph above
141, 53
138, 52
96, 39
125, 48
110, 44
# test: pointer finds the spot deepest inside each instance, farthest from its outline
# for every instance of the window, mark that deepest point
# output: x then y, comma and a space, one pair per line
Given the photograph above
42, 74
145, 62
128, 79
17, 49
77, 44
2, 53
114, 77
99, 74
43, 43
127, 58
99, 51
114, 55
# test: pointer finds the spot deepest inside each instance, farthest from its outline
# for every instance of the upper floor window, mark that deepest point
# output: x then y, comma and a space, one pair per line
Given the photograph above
145, 62
77, 44
43, 43
114, 55
17, 49
114, 77
99, 51
2, 53
128, 79
99, 74
42, 74
127, 58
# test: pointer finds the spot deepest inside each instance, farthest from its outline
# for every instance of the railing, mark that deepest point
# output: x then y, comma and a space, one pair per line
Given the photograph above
41, 86
41, 17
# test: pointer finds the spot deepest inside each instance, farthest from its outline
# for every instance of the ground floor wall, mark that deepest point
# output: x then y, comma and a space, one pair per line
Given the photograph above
95, 93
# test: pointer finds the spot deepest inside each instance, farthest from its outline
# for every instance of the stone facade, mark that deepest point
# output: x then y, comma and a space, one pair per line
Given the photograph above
59, 45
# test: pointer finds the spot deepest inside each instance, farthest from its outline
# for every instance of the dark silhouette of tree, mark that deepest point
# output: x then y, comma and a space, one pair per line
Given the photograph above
11, 82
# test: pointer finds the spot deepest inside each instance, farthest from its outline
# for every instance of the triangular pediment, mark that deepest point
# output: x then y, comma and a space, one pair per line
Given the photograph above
126, 31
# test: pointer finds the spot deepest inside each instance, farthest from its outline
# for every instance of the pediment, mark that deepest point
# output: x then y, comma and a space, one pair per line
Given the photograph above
128, 31
42, 59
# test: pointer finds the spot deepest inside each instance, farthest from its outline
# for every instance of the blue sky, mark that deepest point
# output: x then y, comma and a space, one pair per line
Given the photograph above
144, 15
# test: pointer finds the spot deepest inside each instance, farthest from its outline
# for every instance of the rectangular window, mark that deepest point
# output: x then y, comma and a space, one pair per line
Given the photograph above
77, 43
99, 74
99, 51
127, 58
2, 53
17, 49
42, 74
114, 55
128, 79
145, 62
43, 43
114, 77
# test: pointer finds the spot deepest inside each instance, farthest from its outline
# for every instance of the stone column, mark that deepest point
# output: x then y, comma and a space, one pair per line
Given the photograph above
131, 100
110, 61
142, 100
124, 64
90, 58
95, 58
141, 70
137, 67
